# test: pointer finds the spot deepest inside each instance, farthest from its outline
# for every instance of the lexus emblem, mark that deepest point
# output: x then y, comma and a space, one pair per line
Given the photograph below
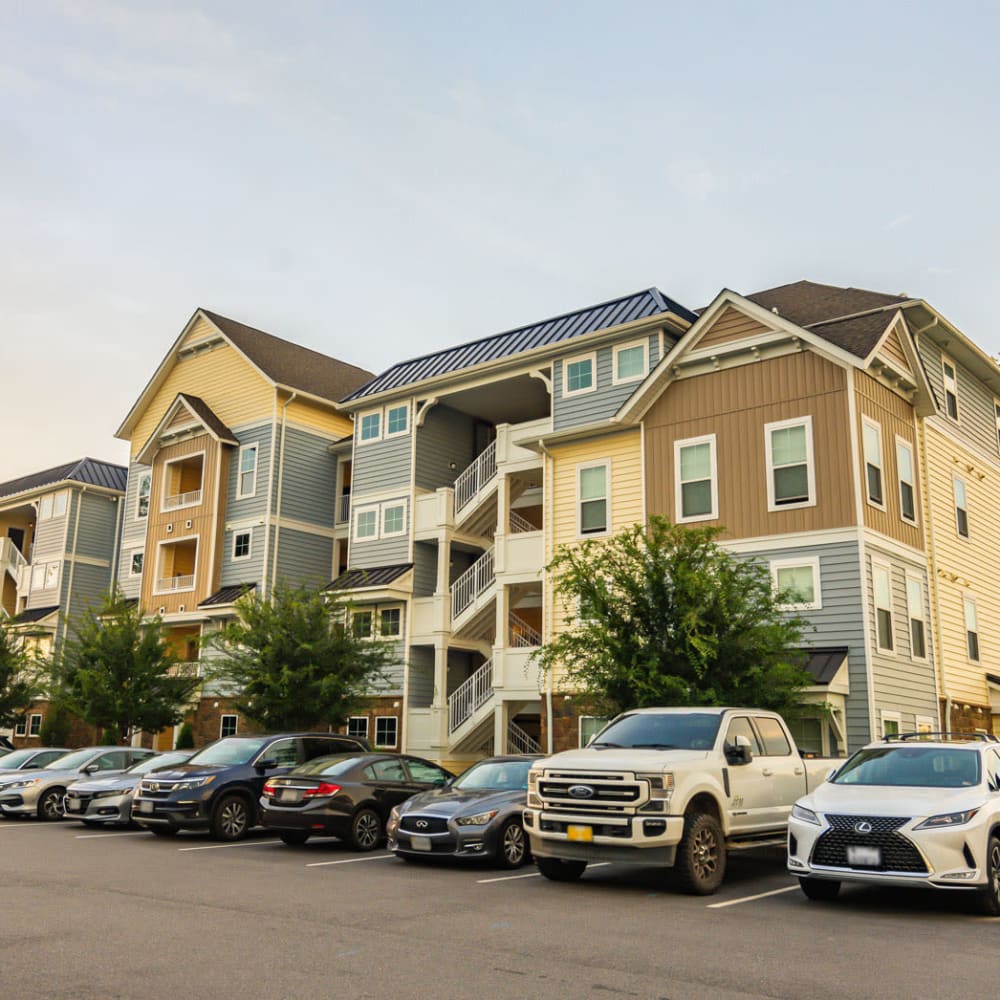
581, 791
863, 827
421, 824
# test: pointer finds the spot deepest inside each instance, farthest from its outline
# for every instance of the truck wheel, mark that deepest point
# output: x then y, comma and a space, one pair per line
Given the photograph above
560, 871
819, 888
989, 898
701, 855
231, 818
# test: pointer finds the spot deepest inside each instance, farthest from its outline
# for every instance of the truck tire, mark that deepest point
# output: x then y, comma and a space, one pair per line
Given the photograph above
819, 888
560, 871
701, 855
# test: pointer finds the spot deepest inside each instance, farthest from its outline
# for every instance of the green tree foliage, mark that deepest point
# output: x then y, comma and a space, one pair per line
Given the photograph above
292, 664
55, 726
117, 672
185, 738
19, 677
661, 615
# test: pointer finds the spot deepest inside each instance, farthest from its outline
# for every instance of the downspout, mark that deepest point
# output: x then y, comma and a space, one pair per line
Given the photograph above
281, 470
548, 514
117, 555
270, 495
72, 565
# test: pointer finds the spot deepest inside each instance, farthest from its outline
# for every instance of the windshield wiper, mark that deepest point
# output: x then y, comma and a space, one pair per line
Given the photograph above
654, 746
616, 746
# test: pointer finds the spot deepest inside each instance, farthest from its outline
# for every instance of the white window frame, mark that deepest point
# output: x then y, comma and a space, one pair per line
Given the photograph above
602, 719
222, 724
616, 379
383, 508
45, 507
60, 499
927, 721
255, 447
604, 463
874, 425
577, 359
713, 514
395, 726
34, 725
358, 718
194, 572
812, 562
369, 610
878, 566
922, 617
381, 609
955, 481
21, 726
804, 421
969, 603
902, 444
131, 561
239, 534
946, 362
201, 489
52, 576
367, 509
361, 423
386, 433
148, 477
37, 581
888, 715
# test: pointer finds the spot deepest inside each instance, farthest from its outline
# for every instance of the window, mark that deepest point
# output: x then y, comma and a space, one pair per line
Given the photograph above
241, 545
53, 505
872, 434
741, 726
393, 520
390, 622
915, 612
142, 499
386, 770
580, 375
971, 629
798, 583
961, 508
135, 564
45, 508
590, 726
592, 507
630, 362
371, 426
386, 727
357, 726
397, 420
925, 724
228, 726
950, 387
890, 722
361, 624
907, 481
247, 486
51, 575
996, 419
21, 726
697, 485
775, 740
366, 522
425, 772
59, 503
791, 479
808, 734
38, 576
34, 724
882, 578
283, 752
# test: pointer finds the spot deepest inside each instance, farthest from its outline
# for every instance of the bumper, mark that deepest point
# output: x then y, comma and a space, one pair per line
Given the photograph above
23, 802
177, 815
317, 821
115, 809
469, 842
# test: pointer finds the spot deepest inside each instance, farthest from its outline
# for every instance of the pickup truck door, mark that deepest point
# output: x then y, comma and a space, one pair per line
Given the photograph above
783, 768
749, 788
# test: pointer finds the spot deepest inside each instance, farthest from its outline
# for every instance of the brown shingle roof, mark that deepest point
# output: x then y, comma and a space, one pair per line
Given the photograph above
807, 302
858, 335
289, 364
208, 418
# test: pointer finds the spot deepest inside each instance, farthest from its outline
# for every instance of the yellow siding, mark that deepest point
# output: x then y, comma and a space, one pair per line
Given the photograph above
964, 566
223, 378
320, 418
731, 325
892, 348
202, 330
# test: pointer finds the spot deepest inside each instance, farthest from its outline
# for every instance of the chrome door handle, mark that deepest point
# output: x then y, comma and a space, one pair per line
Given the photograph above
767, 772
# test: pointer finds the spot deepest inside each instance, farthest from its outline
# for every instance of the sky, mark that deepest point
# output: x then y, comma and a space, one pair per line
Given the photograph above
380, 180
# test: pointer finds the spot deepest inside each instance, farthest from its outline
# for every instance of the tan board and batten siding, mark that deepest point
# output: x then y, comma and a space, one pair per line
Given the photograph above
203, 517
735, 404
895, 416
893, 349
731, 325
965, 566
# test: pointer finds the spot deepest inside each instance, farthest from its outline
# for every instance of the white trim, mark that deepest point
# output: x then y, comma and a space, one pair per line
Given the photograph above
925, 720
946, 361
383, 509
791, 540
906, 445
149, 495
956, 507
222, 721
578, 359
31, 725
395, 721
810, 562
620, 349
305, 527
21, 726
680, 444
131, 561
604, 463
357, 512
255, 445
769, 429
969, 602
360, 426
877, 566
200, 491
889, 715
355, 718
381, 610
239, 534
386, 433
871, 424
911, 577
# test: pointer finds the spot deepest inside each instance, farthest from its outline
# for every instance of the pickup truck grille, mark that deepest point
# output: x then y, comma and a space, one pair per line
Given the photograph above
584, 791
898, 853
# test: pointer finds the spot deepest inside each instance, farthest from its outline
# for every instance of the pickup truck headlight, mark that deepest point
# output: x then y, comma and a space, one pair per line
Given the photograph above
480, 819
533, 780
947, 819
661, 786
806, 815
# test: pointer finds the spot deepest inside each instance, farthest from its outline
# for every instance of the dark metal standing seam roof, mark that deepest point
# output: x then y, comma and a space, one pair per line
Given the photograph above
641, 305
227, 595
34, 615
376, 576
90, 471
823, 663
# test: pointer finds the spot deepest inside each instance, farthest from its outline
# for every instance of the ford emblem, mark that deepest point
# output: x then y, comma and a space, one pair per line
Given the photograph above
863, 827
581, 791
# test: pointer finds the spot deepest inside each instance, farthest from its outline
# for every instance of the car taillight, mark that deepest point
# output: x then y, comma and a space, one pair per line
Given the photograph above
269, 788
322, 790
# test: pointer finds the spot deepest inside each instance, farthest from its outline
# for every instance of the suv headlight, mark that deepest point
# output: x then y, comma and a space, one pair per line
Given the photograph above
480, 819
947, 819
806, 815
183, 786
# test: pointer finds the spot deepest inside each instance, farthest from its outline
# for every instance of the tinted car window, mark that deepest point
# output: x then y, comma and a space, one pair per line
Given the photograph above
324, 747
116, 760
741, 727
775, 740
386, 770
993, 768
421, 770
282, 751
669, 731
505, 775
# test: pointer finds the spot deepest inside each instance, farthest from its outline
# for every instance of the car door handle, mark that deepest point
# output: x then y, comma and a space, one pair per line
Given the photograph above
800, 770
767, 772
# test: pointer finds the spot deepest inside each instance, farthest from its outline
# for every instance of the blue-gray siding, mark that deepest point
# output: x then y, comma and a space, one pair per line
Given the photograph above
248, 569
421, 676
256, 506
303, 558
424, 568
379, 466
366, 553
445, 446
309, 478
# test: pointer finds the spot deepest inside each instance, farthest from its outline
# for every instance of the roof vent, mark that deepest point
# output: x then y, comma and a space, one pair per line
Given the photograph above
774, 309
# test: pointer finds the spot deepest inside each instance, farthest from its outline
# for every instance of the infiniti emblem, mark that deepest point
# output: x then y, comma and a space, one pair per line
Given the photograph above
421, 824
581, 791
863, 827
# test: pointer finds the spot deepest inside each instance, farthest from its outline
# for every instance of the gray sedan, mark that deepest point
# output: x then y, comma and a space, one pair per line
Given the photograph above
108, 799
30, 759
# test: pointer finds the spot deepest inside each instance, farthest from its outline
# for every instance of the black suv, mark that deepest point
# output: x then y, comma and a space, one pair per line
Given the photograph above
219, 787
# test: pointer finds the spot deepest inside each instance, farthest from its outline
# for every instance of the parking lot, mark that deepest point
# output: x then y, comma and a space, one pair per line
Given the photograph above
125, 914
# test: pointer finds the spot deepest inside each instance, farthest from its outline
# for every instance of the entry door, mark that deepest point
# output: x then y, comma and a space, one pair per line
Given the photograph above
749, 786
16, 535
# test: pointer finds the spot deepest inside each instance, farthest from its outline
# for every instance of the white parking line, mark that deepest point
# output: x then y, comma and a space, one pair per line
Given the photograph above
347, 861
219, 847
750, 899
103, 836
508, 878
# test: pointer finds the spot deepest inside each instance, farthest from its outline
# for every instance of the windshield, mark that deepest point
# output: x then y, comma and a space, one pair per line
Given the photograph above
232, 750
70, 761
16, 758
161, 760
502, 775
911, 767
674, 731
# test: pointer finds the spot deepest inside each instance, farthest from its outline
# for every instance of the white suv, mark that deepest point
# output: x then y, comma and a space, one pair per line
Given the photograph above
918, 809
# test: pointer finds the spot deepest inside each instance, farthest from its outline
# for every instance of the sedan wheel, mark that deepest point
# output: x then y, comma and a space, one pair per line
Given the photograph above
512, 851
366, 830
50, 806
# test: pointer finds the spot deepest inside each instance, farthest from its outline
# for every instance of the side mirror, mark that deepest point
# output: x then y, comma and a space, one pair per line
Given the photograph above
91, 769
739, 752
266, 764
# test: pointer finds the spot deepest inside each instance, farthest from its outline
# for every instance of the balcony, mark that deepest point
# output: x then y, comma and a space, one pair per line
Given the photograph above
183, 481
343, 512
189, 499
472, 585
176, 566
168, 584
11, 560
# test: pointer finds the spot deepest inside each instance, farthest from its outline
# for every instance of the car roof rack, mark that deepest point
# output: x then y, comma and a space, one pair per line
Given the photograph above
942, 737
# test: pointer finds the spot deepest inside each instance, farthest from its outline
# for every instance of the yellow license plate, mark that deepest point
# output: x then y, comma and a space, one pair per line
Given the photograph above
584, 833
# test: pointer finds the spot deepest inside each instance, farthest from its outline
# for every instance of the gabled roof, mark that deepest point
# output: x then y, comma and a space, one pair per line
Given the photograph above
90, 471
34, 615
226, 595
604, 315
375, 576
200, 411
824, 663
858, 335
808, 302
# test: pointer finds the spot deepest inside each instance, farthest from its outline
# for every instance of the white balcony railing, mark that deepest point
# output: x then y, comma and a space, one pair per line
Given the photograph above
482, 471
344, 509
523, 635
470, 695
188, 499
476, 579
11, 559
168, 583
518, 741
519, 524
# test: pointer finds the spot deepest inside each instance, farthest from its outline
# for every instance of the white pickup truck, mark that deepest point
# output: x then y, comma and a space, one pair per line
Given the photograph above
668, 787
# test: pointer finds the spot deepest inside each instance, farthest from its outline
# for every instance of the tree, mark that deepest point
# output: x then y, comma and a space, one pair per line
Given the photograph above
19, 677
664, 616
55, 726
292, 662
185, 738
117, 671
